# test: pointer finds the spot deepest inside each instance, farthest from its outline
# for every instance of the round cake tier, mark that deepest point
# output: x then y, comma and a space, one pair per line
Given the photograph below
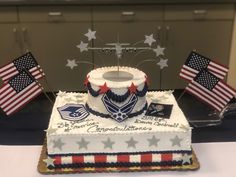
116, 93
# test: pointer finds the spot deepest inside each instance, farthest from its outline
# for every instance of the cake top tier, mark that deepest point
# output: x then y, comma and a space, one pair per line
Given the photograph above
116, 78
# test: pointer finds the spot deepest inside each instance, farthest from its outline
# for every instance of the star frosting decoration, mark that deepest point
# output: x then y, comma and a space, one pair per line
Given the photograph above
159, 51
163, 63
82, 46
83, 144
103, 88
49, 161
176, 141
153, 141
149, 40
58, 144
186, 159
133, 88
71, 64
108, 143
90, 34
131, 143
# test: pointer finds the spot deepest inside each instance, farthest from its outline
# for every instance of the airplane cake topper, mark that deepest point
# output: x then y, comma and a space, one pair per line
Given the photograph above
119, 49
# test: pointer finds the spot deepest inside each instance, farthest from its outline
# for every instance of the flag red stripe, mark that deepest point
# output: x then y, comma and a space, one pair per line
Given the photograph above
25, 102
17, 95
8, 94
205, 96
223, 67
221, 94
216, 70
217, 97
189, 90
189, 69
3, 88
6, 67
9, 74
228, 87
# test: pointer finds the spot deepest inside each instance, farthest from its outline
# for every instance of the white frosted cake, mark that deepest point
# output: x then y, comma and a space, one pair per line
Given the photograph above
118, 124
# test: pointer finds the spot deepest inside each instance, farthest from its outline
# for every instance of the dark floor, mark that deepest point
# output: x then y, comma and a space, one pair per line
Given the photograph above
27, 126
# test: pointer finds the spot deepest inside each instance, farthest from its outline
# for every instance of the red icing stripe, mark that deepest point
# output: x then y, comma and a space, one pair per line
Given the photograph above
100, 158
78, 159
57, 160
166, 157
123, 158
146, 158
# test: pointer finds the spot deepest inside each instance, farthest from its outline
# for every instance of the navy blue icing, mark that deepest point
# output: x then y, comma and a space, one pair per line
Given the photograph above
118, 98
131, 115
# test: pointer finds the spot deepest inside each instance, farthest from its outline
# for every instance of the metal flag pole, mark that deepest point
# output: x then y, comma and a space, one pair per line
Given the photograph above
37, 82
181, 95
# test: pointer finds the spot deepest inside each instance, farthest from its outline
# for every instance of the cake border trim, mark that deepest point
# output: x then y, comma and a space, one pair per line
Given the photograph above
42, 168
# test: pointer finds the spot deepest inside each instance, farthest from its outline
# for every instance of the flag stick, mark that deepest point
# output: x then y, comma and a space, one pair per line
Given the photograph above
49, 87
181, 95
37, 82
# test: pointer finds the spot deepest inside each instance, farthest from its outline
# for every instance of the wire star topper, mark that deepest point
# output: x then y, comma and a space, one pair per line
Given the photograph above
119, 49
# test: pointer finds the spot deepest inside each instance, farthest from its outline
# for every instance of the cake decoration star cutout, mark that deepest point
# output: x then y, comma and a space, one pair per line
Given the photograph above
103, 88
108, 143
159, 51
58, 144
149, 40
82, 46
163, 63
71, 64
49, 161
90, 35
83, 143
186, 159
153, 141
131, 143
176, 141
133, 88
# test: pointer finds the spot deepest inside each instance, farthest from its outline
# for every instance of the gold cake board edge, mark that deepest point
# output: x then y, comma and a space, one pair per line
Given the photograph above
42, 168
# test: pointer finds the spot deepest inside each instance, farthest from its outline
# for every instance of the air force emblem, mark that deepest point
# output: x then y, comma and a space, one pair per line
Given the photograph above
73, 112
119, 113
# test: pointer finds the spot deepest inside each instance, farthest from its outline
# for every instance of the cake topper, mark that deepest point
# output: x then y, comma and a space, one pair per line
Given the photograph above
120, 49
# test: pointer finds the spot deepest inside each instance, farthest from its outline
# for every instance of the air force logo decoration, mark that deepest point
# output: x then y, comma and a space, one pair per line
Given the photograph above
73, 112
119, 113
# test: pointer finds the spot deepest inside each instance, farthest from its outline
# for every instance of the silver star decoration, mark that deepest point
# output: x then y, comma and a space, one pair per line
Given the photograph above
71, 64
186, 159
82, 46
131, 143
83, 143
49, 161
149, 40
153, 141
58, 144
163, 63
90, 34
159, 51
108, 143
176, 141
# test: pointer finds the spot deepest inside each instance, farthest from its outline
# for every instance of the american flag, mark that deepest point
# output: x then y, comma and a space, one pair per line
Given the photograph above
211, 90
26, 61
196, 62
18, 91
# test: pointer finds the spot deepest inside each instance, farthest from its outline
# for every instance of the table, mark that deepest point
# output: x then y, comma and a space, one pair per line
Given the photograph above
216, 159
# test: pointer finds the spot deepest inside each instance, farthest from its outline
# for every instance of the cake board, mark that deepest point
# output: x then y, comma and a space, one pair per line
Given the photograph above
42, 167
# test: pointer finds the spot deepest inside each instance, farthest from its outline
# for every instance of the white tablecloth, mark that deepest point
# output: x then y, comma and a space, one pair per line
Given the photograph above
216, 159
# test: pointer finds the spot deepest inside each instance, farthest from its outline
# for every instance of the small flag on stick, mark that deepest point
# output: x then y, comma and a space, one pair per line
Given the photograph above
18, 91
26, 61
196, 62
210, 89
